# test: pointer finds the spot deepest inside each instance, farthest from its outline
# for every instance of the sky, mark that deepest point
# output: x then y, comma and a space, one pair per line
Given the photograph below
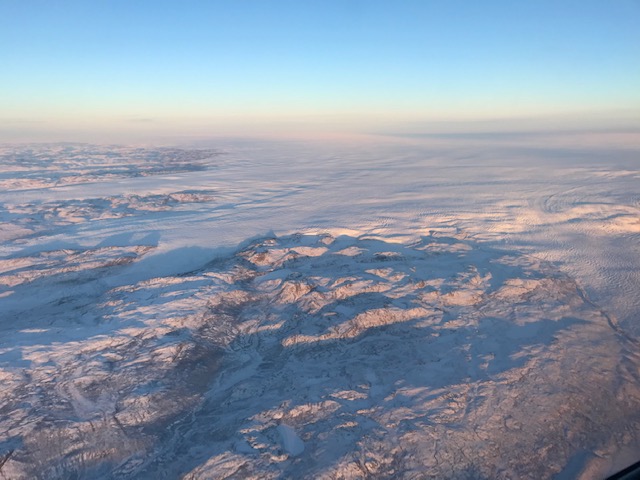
243, 67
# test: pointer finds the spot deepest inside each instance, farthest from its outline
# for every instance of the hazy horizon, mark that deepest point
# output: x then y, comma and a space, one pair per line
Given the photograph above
123, 71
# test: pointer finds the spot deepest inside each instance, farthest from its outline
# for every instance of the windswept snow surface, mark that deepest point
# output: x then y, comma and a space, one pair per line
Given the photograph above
437, 307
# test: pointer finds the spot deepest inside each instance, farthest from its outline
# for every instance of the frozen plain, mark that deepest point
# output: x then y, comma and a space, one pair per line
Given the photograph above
426, 307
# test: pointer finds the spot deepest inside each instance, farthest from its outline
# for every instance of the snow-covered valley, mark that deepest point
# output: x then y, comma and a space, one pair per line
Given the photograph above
390, 308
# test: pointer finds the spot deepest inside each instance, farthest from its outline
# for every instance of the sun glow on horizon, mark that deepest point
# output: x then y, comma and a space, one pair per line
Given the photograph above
78, 69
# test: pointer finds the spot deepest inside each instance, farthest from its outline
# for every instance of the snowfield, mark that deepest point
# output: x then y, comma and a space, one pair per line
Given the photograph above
431, 307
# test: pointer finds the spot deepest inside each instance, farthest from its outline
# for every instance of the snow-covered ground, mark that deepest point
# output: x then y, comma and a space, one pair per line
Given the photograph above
427, 307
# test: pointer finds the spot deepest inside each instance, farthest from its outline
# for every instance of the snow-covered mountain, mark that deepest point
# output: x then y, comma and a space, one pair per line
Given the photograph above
392, 309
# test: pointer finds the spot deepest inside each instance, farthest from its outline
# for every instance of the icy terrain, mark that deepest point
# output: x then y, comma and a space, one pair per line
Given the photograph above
393, 308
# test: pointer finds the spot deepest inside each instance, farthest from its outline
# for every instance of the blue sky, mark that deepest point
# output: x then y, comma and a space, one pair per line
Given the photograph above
225, 66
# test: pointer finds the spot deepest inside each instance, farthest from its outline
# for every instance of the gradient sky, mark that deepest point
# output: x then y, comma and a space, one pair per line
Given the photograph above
245, 66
